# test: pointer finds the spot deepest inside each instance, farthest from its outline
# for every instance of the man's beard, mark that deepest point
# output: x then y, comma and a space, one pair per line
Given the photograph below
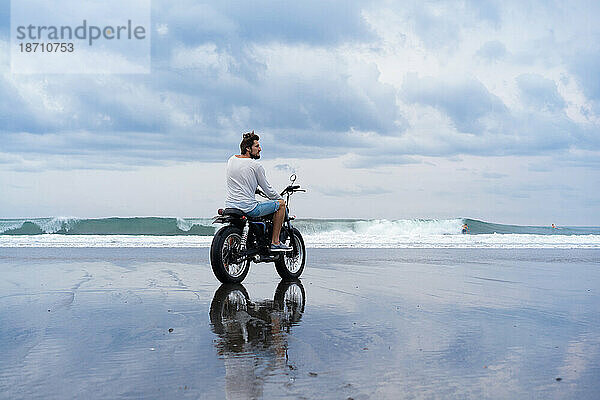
255, 156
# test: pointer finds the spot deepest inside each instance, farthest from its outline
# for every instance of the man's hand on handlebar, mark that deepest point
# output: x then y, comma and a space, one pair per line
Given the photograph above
292, 189
289, 189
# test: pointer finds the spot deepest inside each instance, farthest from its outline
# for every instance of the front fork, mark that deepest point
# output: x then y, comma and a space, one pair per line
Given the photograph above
288, 223
287, 218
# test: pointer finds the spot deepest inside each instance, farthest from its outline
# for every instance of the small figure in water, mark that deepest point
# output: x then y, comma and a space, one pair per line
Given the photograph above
554, 226
465, 228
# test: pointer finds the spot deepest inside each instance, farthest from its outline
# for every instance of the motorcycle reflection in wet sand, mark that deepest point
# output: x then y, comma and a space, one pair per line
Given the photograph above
253, 335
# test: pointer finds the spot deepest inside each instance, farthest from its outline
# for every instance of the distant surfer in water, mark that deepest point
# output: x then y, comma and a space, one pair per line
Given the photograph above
465, 229
554, 226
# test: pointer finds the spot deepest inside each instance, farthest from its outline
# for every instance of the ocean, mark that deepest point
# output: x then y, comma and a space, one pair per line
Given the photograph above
317, 233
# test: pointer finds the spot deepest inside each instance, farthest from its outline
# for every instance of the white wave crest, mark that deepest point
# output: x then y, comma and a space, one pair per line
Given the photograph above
417, 227
184, 225
9, 225
47, 225
335, 239
56, 224
338, 239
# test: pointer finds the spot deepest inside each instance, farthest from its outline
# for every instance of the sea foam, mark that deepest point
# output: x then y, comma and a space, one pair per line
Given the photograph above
324, 233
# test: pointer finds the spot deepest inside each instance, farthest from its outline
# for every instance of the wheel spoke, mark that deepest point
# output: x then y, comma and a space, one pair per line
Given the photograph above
293, 261
230, 254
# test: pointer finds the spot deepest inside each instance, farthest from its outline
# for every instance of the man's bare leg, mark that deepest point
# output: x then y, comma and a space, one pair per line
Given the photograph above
278, 222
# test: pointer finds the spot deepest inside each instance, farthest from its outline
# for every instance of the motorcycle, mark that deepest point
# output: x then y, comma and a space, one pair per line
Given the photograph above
244, 239
239, 321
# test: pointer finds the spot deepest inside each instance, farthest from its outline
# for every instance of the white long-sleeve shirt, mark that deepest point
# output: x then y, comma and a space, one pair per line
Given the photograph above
244, 175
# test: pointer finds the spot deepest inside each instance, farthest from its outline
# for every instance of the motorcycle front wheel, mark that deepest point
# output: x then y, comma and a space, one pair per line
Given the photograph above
224, 254
290, 299
290, 265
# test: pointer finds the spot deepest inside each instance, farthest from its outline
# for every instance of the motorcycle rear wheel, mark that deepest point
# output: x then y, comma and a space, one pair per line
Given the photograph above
224, 250
228, 301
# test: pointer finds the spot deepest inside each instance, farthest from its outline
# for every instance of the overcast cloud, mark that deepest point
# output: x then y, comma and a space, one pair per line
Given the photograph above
311, 73
370, 84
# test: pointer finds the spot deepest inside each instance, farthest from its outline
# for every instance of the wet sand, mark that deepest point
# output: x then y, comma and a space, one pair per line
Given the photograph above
363, 323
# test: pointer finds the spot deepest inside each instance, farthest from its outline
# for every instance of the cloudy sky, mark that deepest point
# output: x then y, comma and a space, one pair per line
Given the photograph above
384, 109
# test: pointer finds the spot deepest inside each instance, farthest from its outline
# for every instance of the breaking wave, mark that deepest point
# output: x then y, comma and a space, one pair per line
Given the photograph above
154, 226
357, 228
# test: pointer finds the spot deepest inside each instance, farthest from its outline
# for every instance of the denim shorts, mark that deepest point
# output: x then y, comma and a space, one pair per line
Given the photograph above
264, 208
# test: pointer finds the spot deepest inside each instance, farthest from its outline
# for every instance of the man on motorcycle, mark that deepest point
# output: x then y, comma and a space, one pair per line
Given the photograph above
244, 175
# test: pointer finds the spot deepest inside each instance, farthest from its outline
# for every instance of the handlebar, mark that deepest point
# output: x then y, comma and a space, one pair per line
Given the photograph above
292, 189
289, 189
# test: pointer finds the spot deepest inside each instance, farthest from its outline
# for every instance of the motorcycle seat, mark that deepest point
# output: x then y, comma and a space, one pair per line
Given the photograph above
236, 212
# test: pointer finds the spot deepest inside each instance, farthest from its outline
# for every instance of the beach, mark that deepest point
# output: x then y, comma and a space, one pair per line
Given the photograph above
129, 323
434, 168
